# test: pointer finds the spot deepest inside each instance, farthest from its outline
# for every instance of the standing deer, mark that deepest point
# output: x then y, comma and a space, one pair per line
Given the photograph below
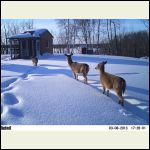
34, 60
110, 81
77, 67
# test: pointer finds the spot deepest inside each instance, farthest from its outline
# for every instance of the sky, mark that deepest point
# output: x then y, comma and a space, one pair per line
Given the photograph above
51, 24
133, 24
130, 25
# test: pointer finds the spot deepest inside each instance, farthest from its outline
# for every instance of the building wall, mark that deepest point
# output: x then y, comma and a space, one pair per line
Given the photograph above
24, 48
46, 43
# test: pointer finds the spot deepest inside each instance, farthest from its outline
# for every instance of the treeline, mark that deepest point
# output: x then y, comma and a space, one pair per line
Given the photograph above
103, 36
109, 35
12, 27
135, 44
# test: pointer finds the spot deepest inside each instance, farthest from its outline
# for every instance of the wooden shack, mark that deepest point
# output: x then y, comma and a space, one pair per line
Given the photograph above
31, 43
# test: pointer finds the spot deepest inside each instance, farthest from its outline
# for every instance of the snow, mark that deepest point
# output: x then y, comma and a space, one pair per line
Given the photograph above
145, 57
22, 35
49, 95
36, 33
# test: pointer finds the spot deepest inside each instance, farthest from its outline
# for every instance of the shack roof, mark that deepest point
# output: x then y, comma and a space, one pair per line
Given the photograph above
34, 33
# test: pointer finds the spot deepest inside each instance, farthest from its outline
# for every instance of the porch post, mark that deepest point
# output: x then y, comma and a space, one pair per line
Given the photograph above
6, 47
33, 53
10, 47
19, 48
27, 48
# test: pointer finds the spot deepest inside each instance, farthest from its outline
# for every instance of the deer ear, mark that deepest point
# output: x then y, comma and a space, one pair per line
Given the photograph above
105, 62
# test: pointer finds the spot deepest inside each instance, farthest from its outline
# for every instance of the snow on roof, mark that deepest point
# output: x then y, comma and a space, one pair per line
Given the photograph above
22, 35
30, 33
36, 32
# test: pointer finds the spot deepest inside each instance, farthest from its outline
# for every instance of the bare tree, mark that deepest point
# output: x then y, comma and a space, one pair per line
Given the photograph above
85, 30
68, 35
108, 33
98, 34
146, 23
10, 27
93, 32
116, 27
64, 25
116, 40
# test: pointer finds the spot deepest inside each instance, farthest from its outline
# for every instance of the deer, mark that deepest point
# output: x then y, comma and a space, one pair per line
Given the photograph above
78, 68
34, 60
109, 81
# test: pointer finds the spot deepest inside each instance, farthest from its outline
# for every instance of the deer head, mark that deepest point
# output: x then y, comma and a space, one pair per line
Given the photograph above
100, 66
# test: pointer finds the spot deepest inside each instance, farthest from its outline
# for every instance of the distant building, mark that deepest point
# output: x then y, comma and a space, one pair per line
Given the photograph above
31, 43
87, 49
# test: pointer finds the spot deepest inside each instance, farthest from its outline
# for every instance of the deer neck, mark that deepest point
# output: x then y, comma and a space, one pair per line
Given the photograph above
70, 62
102, 70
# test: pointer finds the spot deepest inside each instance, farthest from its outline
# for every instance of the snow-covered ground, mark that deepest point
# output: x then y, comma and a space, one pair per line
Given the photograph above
49, 95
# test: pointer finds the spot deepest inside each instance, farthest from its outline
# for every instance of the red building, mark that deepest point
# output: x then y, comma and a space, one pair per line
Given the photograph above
31, 43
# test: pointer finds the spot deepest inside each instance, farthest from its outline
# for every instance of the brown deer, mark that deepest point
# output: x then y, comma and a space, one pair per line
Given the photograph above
110, 81
77, 68
34, 60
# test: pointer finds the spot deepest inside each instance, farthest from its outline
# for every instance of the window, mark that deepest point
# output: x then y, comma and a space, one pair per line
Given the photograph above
47, 44
37, 45
24, 44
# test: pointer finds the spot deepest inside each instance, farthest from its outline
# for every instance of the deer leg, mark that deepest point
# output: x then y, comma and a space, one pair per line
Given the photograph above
74, 75
85, 78
107, 92
121, 99
77, 76
104, 90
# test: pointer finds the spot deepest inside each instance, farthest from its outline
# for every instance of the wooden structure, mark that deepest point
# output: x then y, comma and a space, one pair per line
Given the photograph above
31, 43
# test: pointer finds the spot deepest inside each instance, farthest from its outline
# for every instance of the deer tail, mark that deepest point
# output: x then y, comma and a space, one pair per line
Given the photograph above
87, 68
123, 85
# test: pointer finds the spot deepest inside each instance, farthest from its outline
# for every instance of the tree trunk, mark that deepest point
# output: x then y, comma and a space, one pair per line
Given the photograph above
116, 41
108, 34
68, 43
98, 36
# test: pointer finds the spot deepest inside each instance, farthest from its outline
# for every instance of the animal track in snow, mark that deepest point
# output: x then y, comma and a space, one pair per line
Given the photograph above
16, 112
3, 122
124, 112
9, 99
10, 86
7, 83
28, 78
4, 109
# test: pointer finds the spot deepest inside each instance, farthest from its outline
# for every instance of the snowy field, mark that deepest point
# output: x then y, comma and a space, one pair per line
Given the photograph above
49, 95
